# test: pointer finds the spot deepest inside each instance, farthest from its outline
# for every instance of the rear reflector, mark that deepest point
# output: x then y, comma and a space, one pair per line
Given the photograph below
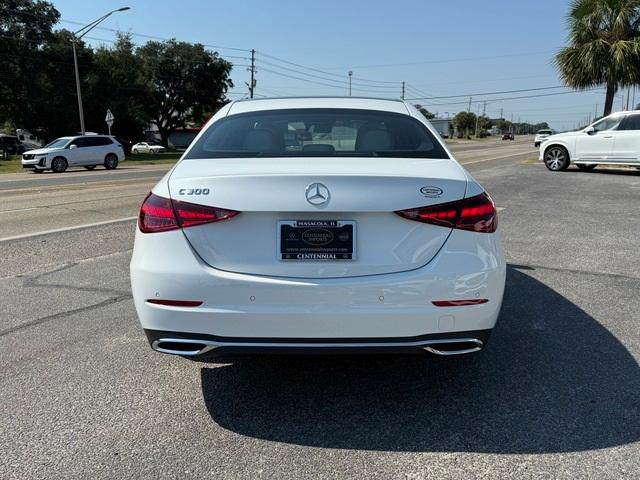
159, 214
459, 303
477, 214
175, 303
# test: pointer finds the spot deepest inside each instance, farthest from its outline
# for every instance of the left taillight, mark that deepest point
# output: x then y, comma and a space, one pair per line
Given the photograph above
477, 214
159, 214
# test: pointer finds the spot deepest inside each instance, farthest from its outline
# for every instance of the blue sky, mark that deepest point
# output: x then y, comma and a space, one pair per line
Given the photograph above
438, 48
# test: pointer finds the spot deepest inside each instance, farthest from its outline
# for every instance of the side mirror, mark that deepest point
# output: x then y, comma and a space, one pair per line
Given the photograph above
73, 146
589, 130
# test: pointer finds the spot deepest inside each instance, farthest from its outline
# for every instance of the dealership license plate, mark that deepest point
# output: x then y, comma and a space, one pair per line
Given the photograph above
319, 240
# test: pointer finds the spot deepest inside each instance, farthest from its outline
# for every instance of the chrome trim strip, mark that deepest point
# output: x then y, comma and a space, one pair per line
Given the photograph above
427, 345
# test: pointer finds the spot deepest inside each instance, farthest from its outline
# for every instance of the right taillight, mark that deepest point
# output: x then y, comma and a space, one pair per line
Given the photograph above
477, 214
159, 214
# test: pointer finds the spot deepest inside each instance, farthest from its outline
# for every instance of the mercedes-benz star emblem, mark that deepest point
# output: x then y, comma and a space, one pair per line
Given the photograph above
317, 194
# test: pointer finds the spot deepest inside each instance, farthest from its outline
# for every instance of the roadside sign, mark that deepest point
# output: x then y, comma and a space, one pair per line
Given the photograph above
109, 119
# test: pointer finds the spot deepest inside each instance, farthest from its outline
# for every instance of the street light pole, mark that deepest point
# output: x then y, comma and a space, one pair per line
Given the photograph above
79, 94
350, 75
77, 35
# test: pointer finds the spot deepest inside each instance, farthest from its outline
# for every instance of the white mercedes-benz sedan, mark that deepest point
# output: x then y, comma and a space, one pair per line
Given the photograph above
317, 225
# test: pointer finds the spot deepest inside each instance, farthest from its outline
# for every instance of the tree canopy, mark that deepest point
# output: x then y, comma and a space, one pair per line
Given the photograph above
465, 122
168, 83
184, 81
604, 46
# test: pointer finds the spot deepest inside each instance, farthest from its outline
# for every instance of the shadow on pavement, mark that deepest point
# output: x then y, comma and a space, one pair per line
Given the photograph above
551, 380
610, 170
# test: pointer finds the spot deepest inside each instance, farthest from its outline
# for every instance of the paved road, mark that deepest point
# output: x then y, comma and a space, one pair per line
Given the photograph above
35, 203
554, 395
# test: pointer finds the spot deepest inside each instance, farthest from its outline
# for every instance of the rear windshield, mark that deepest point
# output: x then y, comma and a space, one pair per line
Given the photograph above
317, 133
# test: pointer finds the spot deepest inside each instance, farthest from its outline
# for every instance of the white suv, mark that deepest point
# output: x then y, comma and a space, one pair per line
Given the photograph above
613, 140
542, 135
86, 151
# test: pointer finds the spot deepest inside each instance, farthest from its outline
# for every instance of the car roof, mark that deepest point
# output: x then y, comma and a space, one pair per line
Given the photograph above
362, 103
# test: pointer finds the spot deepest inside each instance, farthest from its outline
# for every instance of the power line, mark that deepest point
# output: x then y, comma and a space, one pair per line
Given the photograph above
323, 71
524, 96
342, 83
448, 60
492, 93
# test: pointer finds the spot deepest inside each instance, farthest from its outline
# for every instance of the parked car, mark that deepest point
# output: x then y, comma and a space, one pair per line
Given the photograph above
508, 136
86, 151
144, 147
10, 145
613, 140
262, 240
542, 135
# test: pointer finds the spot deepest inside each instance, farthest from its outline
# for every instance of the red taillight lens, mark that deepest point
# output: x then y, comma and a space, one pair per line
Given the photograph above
156, 215
190, 214
159, 214
477, 214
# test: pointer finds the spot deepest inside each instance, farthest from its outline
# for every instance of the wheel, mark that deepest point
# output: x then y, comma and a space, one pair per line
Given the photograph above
586, 168
90, 167
59, 164
110, 161
556, 158
134, 150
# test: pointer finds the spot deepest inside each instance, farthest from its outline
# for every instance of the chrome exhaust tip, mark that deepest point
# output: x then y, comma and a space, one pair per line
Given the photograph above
182, 346
454, 346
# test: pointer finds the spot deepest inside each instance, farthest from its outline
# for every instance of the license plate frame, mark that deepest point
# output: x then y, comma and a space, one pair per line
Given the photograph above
316, 240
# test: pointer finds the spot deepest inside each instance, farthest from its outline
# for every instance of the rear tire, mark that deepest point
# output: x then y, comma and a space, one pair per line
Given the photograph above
586, 168
110, 162
90, 167
59, 164
134, 151
556, 158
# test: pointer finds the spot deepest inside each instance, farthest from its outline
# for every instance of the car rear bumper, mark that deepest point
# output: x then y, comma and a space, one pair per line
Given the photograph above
202, 346
385, 307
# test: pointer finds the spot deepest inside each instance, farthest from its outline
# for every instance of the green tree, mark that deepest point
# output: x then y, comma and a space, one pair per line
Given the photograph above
428, 115
117, 83
484, 124
465, 122
604, 46
185, 83
54, 102
25, 27
503, 125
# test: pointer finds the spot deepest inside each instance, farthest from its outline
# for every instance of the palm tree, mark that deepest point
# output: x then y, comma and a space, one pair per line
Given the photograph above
604, 46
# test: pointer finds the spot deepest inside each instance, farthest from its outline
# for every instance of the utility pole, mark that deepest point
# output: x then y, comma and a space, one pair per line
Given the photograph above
595, 115
402, 96
484, 108
469, 107
502, 113
252, 69
350, 75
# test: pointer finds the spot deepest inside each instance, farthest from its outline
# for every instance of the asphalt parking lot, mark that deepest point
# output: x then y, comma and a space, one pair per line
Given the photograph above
554, 395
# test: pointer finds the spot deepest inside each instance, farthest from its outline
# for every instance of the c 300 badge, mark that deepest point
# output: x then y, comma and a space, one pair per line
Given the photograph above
431, 192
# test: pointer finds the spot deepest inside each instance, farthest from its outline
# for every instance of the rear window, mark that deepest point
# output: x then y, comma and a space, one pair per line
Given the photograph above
318, 133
